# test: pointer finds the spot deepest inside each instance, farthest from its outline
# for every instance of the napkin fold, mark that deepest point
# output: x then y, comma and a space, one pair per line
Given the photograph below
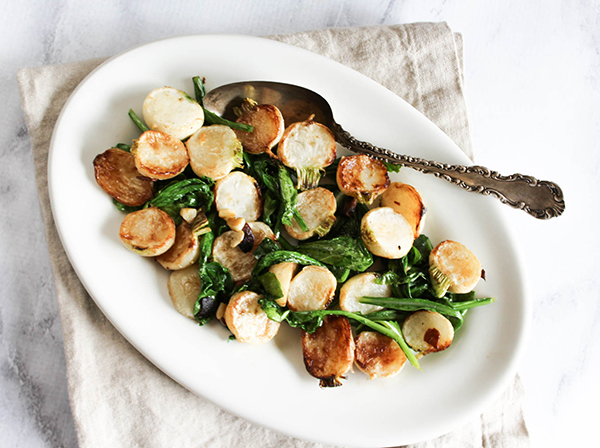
118, 398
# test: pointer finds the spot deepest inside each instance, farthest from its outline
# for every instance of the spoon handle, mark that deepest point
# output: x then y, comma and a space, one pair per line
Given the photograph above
541, 199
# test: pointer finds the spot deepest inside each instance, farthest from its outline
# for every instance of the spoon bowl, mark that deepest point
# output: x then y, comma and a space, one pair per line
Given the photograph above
295, 103
541, 199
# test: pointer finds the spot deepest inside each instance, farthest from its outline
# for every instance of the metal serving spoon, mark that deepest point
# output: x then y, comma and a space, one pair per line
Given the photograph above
542, 199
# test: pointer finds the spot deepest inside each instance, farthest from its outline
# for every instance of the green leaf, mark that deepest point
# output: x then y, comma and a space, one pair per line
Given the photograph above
196, 193
206, 244
199, 89
123, 146
216, 282
391, 277
413, 256
213, 118
273, 310
269, 208
276, 179
341, 274
266, 247
308, 321
408, 304
394, 315
210, 117
456, 297
271, 285
424, 246
289, 196
139, 123
392, 167
468, 304
343, 252
349, 225
266, 172
285, 244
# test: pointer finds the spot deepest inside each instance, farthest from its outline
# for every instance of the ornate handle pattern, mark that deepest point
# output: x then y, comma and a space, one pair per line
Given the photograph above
541, 199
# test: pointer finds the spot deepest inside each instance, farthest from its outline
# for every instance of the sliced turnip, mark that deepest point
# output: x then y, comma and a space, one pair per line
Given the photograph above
329, 351
427, 331
362, 285
311, 289
148, 232
284, 273
453, 268
117, 175
239, 263
173, 112
247, 321
240, 194
317, 208
362, 177
158, 155
185, 250
308, 147
268, 126
214, 151
407, 201
184, 288
386, 233
378, 355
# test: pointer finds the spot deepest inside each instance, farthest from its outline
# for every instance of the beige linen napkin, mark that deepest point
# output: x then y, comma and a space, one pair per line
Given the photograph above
118, 398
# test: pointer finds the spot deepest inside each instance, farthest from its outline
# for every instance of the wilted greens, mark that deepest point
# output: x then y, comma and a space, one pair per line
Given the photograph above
210, 117
279, 191
195, 193
309, 321
412, 289
342, 250
216, 282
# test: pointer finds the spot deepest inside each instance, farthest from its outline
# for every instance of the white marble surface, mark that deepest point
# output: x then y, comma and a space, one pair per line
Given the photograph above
533, 91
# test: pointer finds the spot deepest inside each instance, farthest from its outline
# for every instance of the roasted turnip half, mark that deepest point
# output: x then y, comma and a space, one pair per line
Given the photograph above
214, 151
184, 252
247, 321
228, 253
240, 194
148, 232
378, 355
317, 208
173, 112
284, 273
359, 286
362, 177
158, 155
329, 351
184, 288
453, 268
308, 147
427, 331
268, 126
117, 175
311, 289
386, 233
407, 201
